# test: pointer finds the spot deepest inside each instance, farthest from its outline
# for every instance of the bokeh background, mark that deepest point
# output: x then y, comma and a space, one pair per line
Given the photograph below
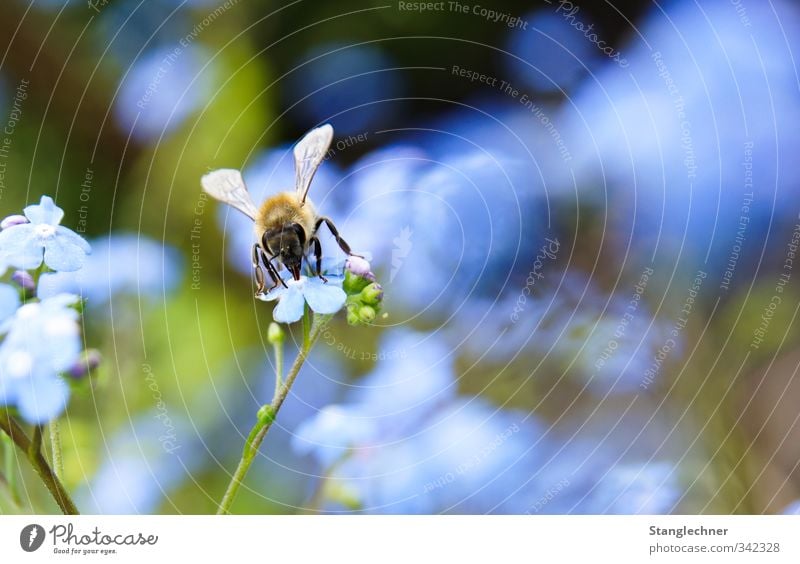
581, 213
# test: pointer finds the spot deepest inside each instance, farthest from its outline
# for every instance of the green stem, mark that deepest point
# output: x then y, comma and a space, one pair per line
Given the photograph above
12, 428
10, 470
278, 349
306, 328
35, 447
268, 412
55, 447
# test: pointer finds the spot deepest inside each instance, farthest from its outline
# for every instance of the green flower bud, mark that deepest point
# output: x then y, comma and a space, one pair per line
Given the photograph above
275, 335
367, 314
352, 316
353, 283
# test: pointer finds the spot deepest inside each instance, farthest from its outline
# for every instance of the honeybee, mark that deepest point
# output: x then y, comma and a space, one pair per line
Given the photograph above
286, 224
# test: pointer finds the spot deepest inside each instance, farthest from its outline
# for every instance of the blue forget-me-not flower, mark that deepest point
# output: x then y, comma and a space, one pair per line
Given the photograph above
43, 341
26, 245
321, 296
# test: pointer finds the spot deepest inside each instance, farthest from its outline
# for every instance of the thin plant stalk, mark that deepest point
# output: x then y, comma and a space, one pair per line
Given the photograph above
312, 330
55, 448
32, 448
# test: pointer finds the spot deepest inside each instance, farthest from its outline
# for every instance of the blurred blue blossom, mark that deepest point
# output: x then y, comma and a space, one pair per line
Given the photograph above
149, 268
465, 222
793, 508
679, 152
591, 475
611, 348
555, 56
26, 245
332, 432
389, 402
43, 341
346, 86
162, 89
604, 342
629, 489
382, 186
140, 468
404, 442
9, 302
128, 29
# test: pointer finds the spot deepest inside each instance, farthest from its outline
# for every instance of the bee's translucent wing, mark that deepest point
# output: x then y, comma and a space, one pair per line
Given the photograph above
227, 185
308, 155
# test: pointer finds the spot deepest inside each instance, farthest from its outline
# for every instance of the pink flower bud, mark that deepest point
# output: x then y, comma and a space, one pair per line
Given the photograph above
13, 220
357, 266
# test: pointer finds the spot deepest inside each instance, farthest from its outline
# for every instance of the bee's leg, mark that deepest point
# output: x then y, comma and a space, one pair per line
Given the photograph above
258, 272
318, 256
273, 273
335, 232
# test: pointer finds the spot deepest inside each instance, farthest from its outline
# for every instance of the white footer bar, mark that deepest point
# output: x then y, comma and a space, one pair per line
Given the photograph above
357, 539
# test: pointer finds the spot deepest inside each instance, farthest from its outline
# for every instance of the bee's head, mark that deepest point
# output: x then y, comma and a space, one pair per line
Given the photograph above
288, 243
292, 262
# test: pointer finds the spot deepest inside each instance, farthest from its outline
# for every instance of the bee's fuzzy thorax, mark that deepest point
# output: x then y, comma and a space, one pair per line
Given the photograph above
282, 209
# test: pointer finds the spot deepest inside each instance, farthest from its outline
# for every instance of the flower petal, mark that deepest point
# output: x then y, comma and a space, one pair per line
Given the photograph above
66, 252
54, 283
291, 305
9, 301
8, 390
45, 212
41, 398
68, 235
273, 294
20, 247
322, 297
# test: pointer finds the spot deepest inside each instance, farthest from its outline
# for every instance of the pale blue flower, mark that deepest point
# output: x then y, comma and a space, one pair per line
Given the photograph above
322, 297
24, 246
43, 341
9, 301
